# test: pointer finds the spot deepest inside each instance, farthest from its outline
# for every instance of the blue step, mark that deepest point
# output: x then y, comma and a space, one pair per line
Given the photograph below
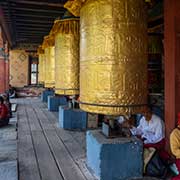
72, 119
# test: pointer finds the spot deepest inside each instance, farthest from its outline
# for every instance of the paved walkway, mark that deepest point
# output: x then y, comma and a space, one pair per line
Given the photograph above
8, 151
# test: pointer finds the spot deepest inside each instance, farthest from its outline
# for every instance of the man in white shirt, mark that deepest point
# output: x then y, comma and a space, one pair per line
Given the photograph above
151, 130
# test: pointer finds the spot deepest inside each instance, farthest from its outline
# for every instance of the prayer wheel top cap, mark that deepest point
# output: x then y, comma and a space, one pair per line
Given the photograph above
69, 24
74, 6
40, 50
68, 15
57, 19
54, 29
48, 41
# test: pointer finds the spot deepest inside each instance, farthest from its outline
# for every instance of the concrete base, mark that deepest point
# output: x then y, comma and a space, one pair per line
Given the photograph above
45, 94
114, 159
55, 101
72, 118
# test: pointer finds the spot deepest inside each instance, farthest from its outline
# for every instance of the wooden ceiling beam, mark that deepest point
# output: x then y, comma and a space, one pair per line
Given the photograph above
47, 16
28, 41
34, 10
37, 3
35, 21
31, 28
12, 23
37, 14
19, 24
5, 27
32, 33
27, 36
31, 20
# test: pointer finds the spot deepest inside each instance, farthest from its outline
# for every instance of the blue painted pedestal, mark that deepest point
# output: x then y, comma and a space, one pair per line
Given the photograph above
72, 118
55, 101
45, 94
114, 159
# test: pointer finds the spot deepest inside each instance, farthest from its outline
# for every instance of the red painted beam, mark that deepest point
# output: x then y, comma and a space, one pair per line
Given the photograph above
172, 63
2, 75
6, 74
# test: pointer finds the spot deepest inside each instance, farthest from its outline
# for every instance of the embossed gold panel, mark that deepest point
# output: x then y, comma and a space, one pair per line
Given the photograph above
40, 66
113, 58
67, 57
43, 67
49, 50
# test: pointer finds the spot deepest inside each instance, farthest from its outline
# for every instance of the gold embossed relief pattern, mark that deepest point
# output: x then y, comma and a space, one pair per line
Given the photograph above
113, 59
43, 68
74, 6
40, 69
67, 64
40, 52
67, 58
50, 67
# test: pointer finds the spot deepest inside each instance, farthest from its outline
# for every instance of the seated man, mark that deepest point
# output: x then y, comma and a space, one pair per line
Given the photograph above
7, 103
151, 130
175, 146
12, 92
4, 114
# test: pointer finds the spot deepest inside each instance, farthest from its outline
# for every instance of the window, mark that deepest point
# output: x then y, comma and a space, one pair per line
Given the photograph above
33, 76
34, 73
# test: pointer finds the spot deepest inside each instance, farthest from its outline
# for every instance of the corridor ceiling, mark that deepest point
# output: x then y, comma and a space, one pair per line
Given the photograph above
28, 21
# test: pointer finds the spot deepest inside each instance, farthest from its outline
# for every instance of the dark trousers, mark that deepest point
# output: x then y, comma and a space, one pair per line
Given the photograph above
4, 122
160, 147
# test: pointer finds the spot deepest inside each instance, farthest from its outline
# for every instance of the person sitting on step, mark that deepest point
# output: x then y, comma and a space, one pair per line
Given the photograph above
4, 114
175, 146
151, 130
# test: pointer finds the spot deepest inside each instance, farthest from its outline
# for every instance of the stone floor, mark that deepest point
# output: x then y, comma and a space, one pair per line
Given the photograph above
8, 151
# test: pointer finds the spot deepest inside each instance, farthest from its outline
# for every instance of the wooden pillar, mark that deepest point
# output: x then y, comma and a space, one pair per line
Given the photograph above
172, 63
2, 64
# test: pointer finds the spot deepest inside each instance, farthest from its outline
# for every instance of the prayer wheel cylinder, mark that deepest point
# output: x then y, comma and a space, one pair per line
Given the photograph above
43, 68
40, 66
67, 57
113, 55
49, 50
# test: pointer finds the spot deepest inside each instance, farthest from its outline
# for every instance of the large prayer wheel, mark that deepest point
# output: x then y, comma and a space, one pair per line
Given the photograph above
48, 46
67, 56
40, 66
43, 68
113, 55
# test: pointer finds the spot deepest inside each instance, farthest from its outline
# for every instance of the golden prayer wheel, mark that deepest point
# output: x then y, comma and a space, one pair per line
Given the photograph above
49, 50
40, 66
43, 68
113, 55
67, 56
